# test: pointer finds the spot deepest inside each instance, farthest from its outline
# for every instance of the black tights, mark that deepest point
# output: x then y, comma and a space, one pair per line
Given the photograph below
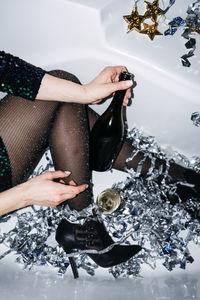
28, 128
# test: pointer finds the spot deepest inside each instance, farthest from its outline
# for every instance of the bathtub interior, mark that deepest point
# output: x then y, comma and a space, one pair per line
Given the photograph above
83, 37
20, 284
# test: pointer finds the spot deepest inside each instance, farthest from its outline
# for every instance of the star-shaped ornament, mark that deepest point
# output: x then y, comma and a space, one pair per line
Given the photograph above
150, 30
153, 10
134, 20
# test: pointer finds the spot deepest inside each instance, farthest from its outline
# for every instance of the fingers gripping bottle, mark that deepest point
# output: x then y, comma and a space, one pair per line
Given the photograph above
107, 135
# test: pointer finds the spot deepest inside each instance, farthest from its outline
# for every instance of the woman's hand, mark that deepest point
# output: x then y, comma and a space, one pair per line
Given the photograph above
41, 190
106, 83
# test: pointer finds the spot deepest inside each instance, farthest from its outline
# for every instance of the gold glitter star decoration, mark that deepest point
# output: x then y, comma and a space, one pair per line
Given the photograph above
153, 10
150, 30
136, 21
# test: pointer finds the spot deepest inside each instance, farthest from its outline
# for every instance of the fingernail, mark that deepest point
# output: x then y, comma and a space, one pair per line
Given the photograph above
87, 186
129, 82
67, 172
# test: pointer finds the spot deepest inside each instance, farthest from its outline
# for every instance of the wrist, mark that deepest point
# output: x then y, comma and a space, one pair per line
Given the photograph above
87, 95
13, 199
22, 195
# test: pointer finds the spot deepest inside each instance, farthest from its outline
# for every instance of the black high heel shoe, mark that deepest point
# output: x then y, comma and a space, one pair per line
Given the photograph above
92, 235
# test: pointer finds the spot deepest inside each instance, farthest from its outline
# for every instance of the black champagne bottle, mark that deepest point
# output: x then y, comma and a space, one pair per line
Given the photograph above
107, 135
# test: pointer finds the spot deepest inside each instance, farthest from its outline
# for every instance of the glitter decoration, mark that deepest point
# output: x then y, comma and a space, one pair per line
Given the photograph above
191, 26
195, 117
174, 25
18, 77
136, 21
145, 217
171, 2
153, 10
150, 30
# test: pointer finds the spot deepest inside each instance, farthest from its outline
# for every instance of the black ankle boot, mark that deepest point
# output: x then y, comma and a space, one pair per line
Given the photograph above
92, 235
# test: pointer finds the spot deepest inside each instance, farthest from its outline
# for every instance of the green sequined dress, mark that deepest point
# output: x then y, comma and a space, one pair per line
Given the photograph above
19, 78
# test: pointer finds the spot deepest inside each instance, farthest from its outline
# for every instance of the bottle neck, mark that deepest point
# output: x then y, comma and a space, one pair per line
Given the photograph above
119, 95
117, 100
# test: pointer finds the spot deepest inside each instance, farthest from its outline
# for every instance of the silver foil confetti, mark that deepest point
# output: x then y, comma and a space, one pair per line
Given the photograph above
143, 218
191, 27
195, 117
171, 2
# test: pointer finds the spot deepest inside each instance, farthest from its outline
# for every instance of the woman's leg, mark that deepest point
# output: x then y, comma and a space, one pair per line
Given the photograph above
27, 128
69, 144
24, 128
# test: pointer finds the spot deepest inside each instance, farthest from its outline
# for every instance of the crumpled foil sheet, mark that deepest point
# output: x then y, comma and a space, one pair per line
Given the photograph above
164, 231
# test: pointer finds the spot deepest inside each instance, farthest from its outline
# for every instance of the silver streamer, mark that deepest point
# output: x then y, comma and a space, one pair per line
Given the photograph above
143, 217
191, 26
171, 2
195, 117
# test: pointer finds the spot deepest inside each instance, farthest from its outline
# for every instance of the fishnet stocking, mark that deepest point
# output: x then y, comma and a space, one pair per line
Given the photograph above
24, 128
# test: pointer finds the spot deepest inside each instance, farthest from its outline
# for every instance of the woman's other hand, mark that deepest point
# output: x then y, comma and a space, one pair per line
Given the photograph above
48, 189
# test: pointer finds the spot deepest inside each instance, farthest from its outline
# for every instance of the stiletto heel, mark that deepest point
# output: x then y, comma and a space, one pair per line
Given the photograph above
74, 267
92, 235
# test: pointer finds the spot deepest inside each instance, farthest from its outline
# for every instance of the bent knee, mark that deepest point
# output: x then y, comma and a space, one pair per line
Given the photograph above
64, 75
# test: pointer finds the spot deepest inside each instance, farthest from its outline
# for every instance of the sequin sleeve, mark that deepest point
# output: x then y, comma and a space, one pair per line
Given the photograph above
19, 78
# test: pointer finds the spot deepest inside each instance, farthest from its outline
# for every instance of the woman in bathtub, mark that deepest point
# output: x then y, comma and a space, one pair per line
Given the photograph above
50, 109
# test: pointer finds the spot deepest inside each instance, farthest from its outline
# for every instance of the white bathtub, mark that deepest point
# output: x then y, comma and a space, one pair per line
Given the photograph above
82, 37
